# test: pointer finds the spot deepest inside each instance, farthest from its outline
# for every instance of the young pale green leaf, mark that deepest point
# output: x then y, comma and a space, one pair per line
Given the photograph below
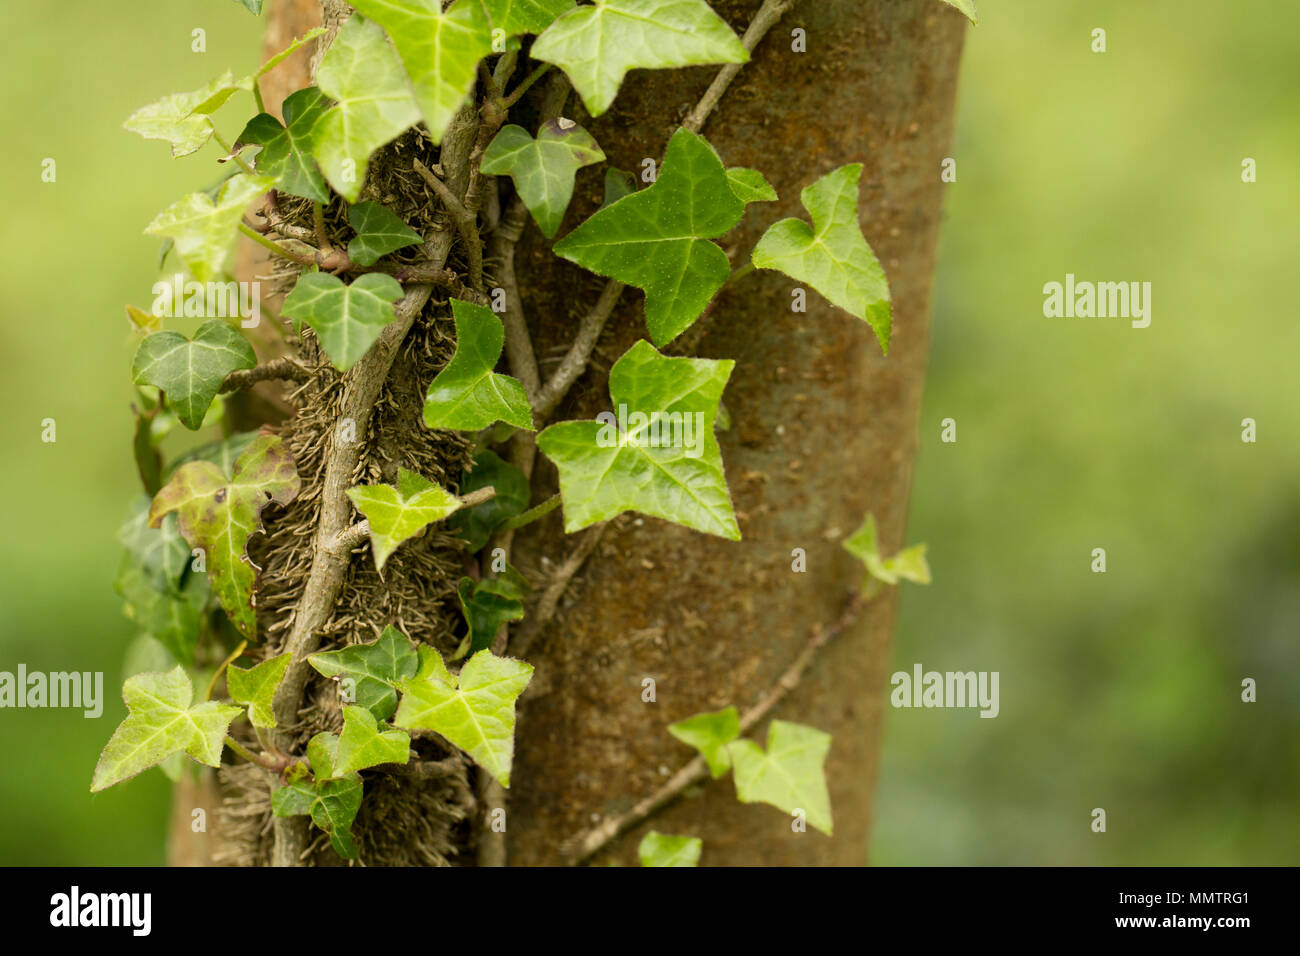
173, 118
219, 515
474, 710
161, 722
373, 104
832, 256
255, 688
618, 184
790, 775
286, 149
346, 318
709, 734
908, 564
543, 169
378, 232
658, 849
658, 239
965, 6
396, 514
467, 395
596, 46
439, 48
525, 16
658, 455
750, 185
489, 603
477, 524
190, 372
362, 744
203, 230
371, 671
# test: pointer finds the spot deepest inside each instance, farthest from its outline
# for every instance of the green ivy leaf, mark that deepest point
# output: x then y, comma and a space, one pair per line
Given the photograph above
477, 524
709, 734
255, 688
618, 184
161, 722
543, 169
374, 670
331, 802
474, 710
253, 6
597, 45
790, 775
220, 514
606, 469
346, 318
160, 553
832, 256
173, 118
965, 6
525, 16
190, 372
658, 239
657, 849
202, 229
750, 185
362, 744
378, 232
467, 395
373, 104
489, 603
440, 50
908, 564
173, 616
286, 149
396, 514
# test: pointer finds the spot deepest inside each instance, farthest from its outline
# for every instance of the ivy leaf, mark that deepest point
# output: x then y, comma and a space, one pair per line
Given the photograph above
362, 744
253, 6
172, 616
161, 722
658, 456
474, 710
346, 318
525, 16
477, 524
396, 514
544, 168
173, 119
221, 453
489, 603
467, 395
220, 514
373, 104
750, 185
202, 229
255, 688
596, 46
160, 553
657, 849
617, 185
378, 232
331, 802
832, 256
709, 734
190, 372
658, 239
286, 149
440, 50
965, 6
374, 670
790, 775
908, 564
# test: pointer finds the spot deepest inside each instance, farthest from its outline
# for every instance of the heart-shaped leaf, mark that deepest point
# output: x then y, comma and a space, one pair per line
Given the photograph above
467, 395
657, 454
790, 775
374, 670
543, 169
658, 239
346, 318
255, 687
396, 514
190, 372
596, 45
378, 232
832, 255
286, 149
202, 229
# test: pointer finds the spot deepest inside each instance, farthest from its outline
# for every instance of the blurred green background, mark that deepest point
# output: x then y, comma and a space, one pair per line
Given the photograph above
1118, 690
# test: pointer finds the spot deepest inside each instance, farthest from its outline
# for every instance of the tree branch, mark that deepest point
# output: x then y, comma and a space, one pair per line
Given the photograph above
285, 368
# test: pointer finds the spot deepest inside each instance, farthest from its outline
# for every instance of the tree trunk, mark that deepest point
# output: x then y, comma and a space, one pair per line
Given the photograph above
823, 430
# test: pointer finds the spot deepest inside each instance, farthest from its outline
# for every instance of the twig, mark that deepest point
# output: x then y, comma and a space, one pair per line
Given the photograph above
285, 368
575, 360
356, 534
519, 344
465, 220
600, 836
532, 514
